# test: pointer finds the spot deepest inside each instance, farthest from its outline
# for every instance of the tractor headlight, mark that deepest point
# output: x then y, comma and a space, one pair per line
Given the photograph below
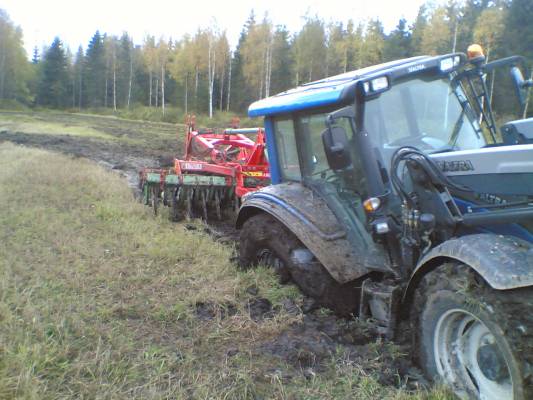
376, 85
449, 63
379, 84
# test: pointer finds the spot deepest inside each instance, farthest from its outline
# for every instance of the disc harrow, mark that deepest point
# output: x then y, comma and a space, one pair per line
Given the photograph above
218, 168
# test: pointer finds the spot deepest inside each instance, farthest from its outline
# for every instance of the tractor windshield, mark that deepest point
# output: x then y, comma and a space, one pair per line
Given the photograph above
431, 115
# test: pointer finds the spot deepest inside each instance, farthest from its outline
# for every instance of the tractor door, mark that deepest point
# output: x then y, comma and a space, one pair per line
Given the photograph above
344, 189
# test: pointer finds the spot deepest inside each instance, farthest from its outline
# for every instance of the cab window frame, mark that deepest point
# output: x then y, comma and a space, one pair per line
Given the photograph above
281, 150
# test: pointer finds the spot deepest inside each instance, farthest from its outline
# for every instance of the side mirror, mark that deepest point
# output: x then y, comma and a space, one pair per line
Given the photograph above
521, 85
335, 143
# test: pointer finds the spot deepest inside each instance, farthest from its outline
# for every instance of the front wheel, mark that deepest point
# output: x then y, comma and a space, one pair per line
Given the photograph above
475, 339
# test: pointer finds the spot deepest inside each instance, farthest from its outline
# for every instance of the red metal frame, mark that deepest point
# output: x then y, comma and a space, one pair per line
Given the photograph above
229, 153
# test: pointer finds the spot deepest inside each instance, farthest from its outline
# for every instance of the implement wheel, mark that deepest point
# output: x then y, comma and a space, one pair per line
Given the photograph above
176, 205
477, 340
155, 199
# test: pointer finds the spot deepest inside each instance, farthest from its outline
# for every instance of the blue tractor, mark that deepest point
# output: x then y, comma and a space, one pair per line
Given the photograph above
396, 197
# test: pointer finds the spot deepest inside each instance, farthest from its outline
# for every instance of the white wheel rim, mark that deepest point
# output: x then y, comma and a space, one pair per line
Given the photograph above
458, 337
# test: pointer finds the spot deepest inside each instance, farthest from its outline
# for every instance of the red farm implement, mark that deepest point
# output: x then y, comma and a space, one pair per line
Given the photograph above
219, 167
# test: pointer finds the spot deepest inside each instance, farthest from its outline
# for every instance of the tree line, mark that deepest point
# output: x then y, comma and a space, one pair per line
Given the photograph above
201, 73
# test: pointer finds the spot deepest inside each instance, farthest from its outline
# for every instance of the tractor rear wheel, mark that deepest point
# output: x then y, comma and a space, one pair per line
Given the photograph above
475, 339
266, 241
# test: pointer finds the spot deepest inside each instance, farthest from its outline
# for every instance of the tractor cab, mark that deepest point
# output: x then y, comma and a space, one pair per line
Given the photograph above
340, 134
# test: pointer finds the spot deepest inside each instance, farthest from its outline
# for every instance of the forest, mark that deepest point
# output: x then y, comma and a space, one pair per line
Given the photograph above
202, 73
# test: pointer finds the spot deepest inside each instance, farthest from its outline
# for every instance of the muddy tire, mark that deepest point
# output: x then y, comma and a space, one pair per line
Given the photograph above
477, 340
266, 241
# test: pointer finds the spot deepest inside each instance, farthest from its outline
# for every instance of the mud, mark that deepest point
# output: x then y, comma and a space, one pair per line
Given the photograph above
311, 344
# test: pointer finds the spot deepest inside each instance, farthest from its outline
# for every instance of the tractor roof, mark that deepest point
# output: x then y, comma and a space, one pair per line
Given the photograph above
328, 91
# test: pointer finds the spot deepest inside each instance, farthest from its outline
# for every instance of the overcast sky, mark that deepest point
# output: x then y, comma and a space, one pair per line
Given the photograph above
76, 21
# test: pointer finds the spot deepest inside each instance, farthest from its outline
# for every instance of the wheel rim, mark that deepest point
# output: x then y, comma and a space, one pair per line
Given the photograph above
268, 258
469, 358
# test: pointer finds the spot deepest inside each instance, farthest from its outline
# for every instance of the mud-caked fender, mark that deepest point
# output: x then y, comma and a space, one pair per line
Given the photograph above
310, 219
504, 262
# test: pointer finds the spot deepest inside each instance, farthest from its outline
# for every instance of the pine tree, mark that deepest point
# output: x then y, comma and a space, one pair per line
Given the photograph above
53, 88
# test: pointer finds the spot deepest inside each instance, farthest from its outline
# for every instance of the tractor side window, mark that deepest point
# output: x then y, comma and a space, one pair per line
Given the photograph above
287, 152
316, 163
312, 127
350, 182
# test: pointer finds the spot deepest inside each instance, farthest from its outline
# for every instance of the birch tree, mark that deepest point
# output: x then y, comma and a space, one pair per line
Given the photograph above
211, 67
256, 56
163, 49
310, 51
182, 67
14, 66
223, 64
149, 58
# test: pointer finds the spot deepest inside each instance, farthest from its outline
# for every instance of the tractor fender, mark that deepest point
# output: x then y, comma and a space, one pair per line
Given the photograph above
310, 219
504, 262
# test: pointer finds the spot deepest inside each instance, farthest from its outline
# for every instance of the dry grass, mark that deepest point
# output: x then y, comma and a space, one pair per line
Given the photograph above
97, 300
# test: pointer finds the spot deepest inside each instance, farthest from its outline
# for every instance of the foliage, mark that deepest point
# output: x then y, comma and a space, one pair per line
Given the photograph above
199, 73
15, 71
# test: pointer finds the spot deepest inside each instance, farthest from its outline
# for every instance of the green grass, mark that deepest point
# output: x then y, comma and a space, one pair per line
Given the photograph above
97, 300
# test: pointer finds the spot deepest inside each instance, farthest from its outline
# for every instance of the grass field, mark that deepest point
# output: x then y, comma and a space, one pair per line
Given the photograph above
150, 135
99, 299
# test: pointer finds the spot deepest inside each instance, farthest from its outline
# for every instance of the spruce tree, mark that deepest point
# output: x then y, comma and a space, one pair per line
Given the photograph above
35, 57
53, 88
95, 71
519, 29
398, 42
240, 96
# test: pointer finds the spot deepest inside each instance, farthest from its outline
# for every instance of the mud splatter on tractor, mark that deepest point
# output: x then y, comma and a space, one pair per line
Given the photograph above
219, 167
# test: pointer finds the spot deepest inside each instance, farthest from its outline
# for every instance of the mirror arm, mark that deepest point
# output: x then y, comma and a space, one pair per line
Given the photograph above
528, 83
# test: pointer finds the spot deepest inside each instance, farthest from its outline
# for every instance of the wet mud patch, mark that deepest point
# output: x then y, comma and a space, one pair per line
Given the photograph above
257, 308
207, 311
311, 345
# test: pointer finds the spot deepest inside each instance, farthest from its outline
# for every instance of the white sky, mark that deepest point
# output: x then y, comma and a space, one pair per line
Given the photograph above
76, 21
